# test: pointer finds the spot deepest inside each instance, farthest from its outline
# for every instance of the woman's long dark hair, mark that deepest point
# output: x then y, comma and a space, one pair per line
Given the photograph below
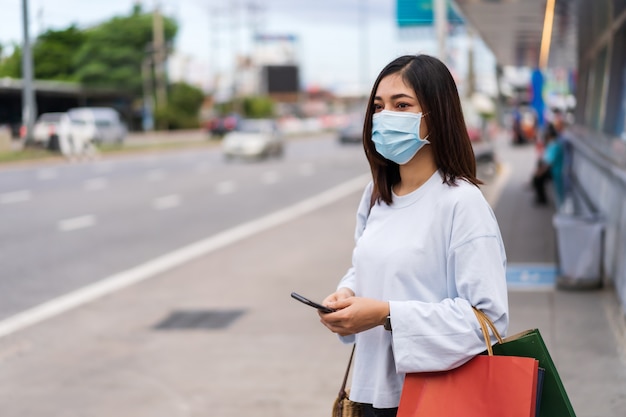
438, 96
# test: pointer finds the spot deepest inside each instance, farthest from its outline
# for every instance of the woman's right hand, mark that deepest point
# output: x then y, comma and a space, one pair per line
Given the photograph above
340, 294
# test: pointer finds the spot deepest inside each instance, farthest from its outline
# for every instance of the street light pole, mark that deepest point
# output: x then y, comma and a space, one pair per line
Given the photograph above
29, 106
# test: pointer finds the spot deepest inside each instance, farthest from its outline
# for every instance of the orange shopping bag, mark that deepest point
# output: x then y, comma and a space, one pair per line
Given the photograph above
486, 386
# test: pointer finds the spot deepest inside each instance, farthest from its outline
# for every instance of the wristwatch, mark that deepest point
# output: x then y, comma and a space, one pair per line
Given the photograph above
387, 324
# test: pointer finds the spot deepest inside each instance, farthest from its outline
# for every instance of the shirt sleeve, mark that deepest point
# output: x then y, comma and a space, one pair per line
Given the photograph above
361, 220
436, 336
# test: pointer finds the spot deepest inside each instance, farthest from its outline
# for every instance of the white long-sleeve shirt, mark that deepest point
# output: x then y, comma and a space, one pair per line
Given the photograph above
433, 254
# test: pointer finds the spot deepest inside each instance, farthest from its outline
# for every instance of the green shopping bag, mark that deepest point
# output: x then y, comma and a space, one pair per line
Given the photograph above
529, 343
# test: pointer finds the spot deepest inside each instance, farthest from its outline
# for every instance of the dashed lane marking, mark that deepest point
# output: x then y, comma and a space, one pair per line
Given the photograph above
47, 174
95, 184
270, 177
15, 197
225, 187
306, 169
103, 167
75, 223
166, 202
155, 175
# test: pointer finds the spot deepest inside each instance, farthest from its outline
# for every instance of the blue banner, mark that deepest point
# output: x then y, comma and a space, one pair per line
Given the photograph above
420, 13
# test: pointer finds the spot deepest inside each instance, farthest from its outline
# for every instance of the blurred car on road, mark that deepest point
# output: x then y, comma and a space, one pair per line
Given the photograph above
46, 129
97, 125
218, 126
352, 131
254, 138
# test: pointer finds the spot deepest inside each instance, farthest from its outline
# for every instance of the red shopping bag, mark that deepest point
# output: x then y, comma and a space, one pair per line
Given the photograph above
486, 386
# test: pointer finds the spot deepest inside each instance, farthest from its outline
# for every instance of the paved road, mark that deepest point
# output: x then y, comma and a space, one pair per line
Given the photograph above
64, 226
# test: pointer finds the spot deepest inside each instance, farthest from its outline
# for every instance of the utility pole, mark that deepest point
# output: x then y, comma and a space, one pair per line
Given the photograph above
148, 96
214, 60
364, 46
159, 57
471, 71
29, 106
441, 20
235, 47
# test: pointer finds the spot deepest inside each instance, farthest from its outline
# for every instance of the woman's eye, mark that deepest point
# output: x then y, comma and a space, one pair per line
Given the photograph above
377, 107
402, 105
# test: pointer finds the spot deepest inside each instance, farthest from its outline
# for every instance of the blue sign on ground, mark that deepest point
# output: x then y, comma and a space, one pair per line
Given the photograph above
531, 276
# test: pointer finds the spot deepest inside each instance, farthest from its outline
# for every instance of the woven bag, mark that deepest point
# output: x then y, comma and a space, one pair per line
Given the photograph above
343, 406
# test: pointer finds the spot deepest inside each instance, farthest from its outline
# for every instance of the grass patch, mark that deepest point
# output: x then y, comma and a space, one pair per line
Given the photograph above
27, 154
34, 154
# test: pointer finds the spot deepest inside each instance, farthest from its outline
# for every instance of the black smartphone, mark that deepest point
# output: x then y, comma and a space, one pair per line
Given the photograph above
313, 304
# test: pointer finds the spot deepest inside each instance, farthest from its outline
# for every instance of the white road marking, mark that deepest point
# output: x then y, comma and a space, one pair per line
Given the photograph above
202, 167
270, 177
225, 187
75, 223
95, 184
178, 257
15, 196
46, 174
166, 202
103, 167
155, 175
307, 170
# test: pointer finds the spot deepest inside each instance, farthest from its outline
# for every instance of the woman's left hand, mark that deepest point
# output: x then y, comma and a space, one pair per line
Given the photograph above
354, 315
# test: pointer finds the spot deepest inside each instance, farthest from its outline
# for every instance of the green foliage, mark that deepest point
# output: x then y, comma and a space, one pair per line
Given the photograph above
186, 97
183, 107
108, 55
225, 107
114, 51
11, 66
53, 54
257, 107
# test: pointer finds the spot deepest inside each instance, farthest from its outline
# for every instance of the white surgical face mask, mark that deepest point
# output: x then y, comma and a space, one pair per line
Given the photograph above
396, 135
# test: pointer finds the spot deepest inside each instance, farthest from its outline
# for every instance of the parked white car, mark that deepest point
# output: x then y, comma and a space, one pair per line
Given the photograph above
47, 127
96, 125
253, 138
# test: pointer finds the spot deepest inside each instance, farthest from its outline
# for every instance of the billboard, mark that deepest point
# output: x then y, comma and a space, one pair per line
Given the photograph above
275, 49
420, 13
278, 79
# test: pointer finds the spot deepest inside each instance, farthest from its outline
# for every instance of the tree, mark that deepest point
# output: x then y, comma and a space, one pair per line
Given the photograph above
53, 54
114, 51
11, 66
183, 107
258, 107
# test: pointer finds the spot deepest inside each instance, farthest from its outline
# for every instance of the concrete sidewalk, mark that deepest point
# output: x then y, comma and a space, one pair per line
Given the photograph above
584, 330
220, 336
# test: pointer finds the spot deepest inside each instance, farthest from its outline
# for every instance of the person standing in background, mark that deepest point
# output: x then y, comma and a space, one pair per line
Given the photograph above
550, 168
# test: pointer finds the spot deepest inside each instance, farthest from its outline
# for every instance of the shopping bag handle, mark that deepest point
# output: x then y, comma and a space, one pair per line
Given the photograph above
485, 325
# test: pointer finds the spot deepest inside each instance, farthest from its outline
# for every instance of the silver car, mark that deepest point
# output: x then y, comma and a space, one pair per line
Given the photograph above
254, 138
96, 125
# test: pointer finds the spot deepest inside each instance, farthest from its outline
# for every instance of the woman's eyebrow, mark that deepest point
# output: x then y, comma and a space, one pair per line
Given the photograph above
396, 96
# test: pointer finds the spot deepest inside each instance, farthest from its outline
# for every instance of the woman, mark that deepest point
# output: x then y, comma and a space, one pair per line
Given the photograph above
428, 247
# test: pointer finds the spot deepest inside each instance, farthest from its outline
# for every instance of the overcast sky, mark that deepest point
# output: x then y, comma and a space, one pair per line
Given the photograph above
342, 44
